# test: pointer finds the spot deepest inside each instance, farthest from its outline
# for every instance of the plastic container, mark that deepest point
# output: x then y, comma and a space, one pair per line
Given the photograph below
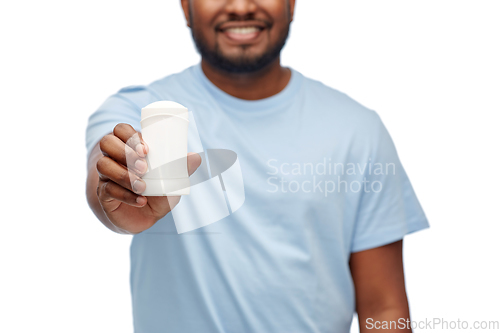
165, 130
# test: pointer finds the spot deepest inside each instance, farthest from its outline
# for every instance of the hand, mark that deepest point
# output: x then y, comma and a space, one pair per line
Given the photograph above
119, 186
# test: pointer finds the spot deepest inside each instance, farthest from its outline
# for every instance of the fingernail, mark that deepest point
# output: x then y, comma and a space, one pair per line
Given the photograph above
140, 150
141, 200
139, 186
141, 166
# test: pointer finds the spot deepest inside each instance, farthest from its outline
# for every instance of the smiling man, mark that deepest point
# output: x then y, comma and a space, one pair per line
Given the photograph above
327, 200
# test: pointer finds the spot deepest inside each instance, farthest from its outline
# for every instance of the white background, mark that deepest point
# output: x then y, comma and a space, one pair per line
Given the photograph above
429, 68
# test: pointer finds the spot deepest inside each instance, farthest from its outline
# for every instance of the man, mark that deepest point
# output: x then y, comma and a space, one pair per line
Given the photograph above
327, 205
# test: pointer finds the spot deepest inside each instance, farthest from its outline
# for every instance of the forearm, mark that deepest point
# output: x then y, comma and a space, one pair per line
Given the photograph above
388, 320
381, 300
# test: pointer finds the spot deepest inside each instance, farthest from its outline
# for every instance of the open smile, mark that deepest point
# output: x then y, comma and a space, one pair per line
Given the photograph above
239, 32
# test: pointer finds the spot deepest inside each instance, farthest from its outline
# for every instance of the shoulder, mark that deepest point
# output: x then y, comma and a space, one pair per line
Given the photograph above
333, 103
142, 95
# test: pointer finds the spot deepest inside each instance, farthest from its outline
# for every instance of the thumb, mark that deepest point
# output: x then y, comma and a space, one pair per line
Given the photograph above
193, 162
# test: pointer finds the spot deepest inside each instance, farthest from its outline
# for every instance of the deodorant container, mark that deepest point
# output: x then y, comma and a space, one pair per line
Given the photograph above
164, 127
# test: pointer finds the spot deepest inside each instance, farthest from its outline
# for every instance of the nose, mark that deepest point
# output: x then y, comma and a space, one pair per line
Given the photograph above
241, 8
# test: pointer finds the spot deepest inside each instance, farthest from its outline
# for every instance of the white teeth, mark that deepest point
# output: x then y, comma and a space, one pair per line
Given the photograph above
243, 30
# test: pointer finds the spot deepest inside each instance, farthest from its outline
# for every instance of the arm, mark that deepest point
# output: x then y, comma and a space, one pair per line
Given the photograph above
378, 277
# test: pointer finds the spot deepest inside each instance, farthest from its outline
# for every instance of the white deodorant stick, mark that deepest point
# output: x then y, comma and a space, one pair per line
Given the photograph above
164, 127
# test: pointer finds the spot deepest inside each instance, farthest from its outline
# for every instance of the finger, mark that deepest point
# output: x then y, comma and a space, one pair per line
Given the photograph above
131, 137
145, 144
109, 192
108, 169
193, 161
117, 150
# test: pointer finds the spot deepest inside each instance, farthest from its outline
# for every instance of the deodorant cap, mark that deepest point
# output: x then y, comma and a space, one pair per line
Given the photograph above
164, 108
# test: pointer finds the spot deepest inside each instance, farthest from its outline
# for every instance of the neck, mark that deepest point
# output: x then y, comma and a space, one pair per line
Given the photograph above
251, 86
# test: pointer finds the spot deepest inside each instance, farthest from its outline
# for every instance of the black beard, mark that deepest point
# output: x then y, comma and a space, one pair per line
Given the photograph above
243, 64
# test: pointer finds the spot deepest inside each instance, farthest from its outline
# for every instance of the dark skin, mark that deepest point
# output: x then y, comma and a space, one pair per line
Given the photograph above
207, 15
378, 278
377, 273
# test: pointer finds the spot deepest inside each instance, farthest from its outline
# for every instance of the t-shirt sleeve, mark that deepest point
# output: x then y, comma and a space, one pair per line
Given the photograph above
123, 107
389, 209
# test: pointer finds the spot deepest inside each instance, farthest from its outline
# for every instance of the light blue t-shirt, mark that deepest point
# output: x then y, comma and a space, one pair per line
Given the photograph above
322, 179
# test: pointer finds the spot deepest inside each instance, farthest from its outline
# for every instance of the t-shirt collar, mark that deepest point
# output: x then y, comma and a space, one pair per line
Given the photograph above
283, 97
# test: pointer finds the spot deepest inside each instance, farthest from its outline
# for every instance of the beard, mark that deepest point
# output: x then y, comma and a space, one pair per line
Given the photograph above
242, 64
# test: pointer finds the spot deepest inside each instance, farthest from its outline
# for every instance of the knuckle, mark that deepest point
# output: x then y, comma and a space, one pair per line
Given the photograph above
100, 165
105, 140
105, 144
120, 128
100, 189
106, 188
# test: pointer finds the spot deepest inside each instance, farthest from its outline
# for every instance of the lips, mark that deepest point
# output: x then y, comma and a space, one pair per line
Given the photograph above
242, 31
243, 34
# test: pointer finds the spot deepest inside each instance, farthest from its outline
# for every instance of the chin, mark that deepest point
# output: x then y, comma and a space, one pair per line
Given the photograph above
243, 56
